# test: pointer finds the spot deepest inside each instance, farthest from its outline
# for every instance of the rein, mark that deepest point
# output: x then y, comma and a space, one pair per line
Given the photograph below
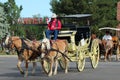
58, 51
25, 46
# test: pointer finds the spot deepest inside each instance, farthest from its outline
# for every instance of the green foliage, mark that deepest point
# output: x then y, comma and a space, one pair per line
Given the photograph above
12, 11
29, 31
103, 11
4, 26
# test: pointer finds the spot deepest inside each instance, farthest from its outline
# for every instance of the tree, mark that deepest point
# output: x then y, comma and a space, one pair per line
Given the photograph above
4, 26
68, 6
103, 11
12, 11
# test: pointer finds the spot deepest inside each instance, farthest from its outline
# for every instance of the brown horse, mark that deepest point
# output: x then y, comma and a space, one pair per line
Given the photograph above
53, 53
116, 46
26, 51
108, 47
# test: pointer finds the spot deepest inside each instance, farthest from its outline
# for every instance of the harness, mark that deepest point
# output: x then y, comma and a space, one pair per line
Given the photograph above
22, 48
57, 50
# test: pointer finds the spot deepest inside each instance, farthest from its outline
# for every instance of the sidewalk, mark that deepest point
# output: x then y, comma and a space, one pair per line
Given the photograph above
8, 55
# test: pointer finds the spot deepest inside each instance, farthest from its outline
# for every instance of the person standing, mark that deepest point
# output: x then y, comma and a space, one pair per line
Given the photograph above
53, 27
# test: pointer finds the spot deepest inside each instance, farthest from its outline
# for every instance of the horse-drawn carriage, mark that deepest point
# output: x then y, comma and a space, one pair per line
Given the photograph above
115, 49
74, 45
80, 47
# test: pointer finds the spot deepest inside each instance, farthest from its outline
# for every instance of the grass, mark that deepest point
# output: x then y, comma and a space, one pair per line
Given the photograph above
7, 53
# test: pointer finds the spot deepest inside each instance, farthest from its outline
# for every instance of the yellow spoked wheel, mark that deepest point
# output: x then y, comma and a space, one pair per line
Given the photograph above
81, 64
81, 59
95, 53
45, 65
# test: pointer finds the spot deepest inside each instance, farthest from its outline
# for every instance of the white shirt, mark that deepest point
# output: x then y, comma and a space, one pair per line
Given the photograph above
107, 37
82, 42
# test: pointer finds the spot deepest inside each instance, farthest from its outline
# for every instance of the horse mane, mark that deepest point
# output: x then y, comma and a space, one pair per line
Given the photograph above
47, 41
6, 40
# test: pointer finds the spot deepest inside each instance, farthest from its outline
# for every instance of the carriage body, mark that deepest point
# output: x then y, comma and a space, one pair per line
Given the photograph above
77, 52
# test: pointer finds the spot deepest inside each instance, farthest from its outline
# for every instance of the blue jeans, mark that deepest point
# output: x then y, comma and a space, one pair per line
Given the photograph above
54, 32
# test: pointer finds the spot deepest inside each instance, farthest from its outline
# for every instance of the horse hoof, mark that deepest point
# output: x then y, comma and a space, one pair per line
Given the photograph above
22, 72
49, 75
25, 75
66, 72
105, 60
54, 73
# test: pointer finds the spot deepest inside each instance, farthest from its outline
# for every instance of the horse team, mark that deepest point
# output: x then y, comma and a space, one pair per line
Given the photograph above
29, 51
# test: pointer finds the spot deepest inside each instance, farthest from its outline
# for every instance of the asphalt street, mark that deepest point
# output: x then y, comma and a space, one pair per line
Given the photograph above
104, 71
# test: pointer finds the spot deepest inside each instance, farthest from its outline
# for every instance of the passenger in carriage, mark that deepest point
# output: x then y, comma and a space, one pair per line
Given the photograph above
107, 36
53, 27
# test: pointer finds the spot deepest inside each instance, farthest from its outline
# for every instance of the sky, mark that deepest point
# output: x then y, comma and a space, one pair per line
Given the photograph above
33, 7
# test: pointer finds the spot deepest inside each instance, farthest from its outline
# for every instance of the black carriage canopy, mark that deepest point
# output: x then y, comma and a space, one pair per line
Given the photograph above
75, 18
81, 30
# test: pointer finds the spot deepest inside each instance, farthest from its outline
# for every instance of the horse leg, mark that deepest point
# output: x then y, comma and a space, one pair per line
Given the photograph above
26, 66
56, 66
100, 56
34, 66
66, 65
110, 53
51, 65
19, 66
105, 56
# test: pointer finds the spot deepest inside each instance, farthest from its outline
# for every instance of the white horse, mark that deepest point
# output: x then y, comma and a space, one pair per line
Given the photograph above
53, 52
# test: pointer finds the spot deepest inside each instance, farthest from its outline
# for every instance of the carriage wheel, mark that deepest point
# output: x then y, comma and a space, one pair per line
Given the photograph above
81, 64
62, 63
45, 65
81, 59
95, 53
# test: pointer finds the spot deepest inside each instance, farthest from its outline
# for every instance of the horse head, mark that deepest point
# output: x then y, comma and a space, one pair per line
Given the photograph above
44, 47
46, 43
13, 41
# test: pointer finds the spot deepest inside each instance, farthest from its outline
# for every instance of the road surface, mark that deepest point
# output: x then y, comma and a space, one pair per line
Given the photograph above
104, 71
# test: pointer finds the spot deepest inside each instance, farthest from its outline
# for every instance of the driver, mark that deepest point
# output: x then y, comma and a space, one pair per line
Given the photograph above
107, 36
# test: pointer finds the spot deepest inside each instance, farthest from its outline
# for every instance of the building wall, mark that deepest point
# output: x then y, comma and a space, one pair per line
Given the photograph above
118, 18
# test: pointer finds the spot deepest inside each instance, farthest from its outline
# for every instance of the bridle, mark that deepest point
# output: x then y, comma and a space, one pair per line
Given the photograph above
45, 50
11, 42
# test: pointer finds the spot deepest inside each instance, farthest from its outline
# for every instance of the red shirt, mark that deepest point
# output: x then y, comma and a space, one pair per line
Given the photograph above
52, 25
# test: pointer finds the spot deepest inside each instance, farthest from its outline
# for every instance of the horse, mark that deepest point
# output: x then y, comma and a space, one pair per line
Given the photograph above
26, 51
116, 45
106, 46
53, 51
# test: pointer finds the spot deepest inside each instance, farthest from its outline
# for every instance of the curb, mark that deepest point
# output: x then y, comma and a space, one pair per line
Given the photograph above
8, 55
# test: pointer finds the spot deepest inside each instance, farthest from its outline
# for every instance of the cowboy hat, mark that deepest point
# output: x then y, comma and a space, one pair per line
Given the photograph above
54, 15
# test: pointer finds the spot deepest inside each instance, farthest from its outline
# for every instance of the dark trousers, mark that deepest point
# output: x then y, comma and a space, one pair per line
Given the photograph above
54, 32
